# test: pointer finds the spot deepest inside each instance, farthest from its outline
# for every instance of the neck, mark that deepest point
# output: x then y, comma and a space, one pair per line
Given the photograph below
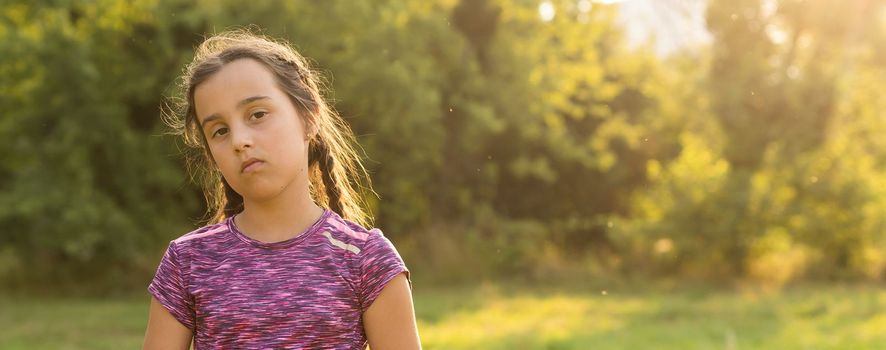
279, 218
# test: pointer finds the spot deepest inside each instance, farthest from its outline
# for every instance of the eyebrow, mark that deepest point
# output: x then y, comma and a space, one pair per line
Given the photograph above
242, 103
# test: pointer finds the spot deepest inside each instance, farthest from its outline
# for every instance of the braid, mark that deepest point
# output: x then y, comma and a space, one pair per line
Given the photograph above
233, 200
319, 154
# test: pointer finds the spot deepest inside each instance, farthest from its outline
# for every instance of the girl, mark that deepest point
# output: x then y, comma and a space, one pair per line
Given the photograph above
287, 262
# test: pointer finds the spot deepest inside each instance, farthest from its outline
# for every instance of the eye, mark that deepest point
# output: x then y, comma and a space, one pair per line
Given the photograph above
259, 114
220, 132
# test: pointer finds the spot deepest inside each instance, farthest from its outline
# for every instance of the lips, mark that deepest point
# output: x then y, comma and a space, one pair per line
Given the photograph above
250, 164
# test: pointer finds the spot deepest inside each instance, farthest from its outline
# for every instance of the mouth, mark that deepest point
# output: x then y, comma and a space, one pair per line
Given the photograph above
250, 165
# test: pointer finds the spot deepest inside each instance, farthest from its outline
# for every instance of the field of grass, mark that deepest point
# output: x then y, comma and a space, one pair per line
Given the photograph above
493, 316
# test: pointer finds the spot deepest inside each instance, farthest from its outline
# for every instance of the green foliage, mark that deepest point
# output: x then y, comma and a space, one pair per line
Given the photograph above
86, 178
795, 186
529, 143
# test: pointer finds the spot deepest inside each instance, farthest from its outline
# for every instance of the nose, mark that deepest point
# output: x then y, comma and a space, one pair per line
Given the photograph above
241, 139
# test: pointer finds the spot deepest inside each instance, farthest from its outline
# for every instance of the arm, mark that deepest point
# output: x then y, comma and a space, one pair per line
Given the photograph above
390, 320
164, 331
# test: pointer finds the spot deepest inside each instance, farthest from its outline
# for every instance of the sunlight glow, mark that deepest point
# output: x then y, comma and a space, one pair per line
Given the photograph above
584, 6
546, 11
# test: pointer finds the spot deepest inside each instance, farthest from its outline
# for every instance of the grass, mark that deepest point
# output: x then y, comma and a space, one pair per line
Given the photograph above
491, 316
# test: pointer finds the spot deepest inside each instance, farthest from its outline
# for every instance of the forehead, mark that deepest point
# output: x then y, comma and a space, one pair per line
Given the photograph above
235, 81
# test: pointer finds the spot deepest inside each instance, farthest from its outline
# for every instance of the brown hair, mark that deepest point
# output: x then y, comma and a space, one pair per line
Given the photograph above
335, 171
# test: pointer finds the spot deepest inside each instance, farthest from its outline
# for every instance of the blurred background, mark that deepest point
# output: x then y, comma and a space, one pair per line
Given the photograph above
569, 174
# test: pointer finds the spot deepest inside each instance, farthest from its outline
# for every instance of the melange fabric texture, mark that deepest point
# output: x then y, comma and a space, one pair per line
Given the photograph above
308, 292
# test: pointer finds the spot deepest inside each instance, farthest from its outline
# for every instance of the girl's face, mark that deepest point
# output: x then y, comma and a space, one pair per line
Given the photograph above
254, 133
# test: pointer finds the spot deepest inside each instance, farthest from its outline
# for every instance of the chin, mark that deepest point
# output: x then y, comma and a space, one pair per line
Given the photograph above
259, 192
264, 195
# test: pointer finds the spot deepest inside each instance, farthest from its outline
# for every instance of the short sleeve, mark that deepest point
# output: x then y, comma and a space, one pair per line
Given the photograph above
379, 264
170, 288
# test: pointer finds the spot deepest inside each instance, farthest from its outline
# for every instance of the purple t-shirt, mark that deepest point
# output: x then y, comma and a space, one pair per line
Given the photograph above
308, 292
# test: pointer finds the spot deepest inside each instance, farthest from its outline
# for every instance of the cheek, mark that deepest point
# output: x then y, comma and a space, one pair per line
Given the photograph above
219, 159
292, 144
289, 152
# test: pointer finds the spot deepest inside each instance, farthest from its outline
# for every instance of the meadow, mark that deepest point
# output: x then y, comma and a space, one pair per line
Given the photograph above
505, 316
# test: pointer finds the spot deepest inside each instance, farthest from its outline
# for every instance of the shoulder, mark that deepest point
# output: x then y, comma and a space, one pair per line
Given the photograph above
370, 251
201, 236
349, 235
